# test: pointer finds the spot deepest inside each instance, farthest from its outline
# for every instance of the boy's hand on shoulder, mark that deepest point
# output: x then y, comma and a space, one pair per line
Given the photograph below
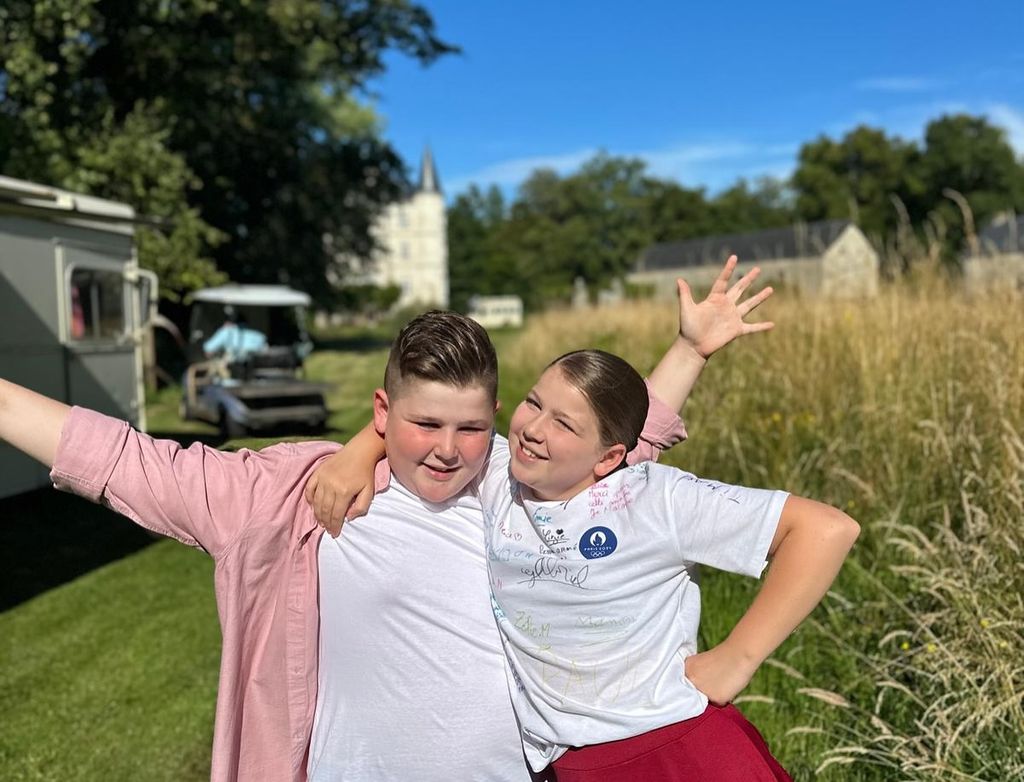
719, 673
718, 320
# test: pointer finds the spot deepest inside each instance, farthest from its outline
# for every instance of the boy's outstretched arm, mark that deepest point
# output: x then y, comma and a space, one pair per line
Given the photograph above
705, 328
806, 553
31, 422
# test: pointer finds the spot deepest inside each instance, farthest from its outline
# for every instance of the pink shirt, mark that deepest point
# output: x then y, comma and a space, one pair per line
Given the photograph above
247, 511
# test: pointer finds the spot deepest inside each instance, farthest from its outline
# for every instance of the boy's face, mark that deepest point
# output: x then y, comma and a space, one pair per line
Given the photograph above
436, 435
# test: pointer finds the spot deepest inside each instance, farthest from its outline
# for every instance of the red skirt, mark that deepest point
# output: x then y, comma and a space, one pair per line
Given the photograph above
720, 745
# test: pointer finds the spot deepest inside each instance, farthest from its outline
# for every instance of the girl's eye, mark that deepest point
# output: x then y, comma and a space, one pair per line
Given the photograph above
565, 425
531, 402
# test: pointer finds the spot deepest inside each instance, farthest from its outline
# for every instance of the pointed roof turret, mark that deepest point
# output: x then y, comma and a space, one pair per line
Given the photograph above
429, 180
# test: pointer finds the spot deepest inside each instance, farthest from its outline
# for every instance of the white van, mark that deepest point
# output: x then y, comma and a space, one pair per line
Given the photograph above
494, 312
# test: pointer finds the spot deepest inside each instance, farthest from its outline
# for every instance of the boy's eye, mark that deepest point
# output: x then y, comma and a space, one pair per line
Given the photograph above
565, 425
426, 424
531, 402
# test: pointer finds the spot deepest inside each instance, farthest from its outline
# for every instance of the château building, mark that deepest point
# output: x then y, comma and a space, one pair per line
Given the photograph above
412, 235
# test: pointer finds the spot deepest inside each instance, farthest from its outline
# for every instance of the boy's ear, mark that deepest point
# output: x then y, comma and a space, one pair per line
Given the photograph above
497, 406
611, 459
380, 410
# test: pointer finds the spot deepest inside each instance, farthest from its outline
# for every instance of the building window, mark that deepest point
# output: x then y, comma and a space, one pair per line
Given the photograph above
96, 301
405, 250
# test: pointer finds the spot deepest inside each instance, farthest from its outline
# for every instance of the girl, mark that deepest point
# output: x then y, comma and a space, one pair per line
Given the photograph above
592, 567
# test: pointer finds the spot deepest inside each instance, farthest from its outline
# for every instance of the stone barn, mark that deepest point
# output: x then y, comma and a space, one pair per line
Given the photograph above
830, 258
997, 260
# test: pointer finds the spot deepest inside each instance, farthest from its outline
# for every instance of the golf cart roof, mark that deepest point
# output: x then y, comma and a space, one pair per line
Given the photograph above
253, 295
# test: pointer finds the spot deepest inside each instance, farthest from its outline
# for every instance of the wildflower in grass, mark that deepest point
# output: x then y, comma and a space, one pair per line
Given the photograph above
985, 623
930, 648
905, 645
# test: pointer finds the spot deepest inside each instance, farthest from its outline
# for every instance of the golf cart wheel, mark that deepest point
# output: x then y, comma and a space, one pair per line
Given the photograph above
230, 429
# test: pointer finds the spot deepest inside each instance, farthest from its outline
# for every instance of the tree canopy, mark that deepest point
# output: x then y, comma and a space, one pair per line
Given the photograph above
594, 222
239, 122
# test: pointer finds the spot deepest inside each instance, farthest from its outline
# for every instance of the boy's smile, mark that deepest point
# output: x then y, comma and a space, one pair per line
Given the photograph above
436, 435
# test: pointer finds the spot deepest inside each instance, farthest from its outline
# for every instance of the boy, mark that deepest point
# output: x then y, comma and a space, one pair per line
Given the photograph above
412, 677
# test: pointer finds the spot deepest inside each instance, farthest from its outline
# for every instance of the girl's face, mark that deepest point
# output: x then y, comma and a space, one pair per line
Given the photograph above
555, 440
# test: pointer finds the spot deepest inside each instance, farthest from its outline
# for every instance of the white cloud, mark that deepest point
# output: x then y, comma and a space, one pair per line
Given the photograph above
713, 164
898, 84
718, 164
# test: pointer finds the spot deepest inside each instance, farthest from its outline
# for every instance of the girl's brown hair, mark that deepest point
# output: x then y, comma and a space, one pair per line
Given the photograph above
616, 392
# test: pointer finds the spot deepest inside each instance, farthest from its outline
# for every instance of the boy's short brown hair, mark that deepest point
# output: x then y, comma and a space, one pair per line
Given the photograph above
445, 347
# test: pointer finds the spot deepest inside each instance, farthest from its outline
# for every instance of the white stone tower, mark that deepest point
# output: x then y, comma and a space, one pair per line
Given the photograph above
413, 238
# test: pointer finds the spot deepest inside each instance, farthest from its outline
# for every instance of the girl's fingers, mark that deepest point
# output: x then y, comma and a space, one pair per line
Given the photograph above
753, 328
744, 282
310, 491
750, 304
722, 281
360, 504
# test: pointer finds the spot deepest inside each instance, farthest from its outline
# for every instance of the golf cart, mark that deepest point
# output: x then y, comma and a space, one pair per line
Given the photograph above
244, 391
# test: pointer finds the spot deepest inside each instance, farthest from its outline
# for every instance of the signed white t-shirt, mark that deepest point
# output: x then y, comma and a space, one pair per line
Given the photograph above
596, 599
412, 682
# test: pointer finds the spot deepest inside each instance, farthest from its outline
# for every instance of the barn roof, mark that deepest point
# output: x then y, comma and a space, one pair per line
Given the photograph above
796, 241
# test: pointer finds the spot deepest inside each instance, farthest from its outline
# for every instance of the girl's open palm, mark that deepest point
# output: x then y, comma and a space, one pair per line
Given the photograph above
718, 320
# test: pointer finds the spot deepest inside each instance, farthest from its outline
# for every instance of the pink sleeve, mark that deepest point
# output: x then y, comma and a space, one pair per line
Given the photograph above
662, 429
198, 495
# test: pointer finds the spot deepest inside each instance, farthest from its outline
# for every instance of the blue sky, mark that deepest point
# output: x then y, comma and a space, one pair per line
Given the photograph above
704, 92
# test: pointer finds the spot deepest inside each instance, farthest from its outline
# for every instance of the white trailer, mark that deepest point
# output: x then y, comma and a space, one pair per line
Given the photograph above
74, 306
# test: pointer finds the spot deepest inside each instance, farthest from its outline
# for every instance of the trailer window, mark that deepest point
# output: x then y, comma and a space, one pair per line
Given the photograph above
97, 304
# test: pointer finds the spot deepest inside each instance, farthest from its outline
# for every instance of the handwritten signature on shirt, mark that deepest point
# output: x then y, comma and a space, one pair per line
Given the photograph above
557, 571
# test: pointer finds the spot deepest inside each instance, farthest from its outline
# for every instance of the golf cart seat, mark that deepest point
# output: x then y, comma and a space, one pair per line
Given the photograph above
271, 361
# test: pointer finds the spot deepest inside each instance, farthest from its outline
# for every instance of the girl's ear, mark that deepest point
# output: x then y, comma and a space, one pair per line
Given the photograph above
380, 410
611, 459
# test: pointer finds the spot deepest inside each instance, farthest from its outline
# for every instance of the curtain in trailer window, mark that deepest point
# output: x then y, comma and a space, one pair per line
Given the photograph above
97, 304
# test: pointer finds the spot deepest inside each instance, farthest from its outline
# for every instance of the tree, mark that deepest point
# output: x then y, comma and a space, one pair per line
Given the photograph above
856, 179
237, 121
742, 207
972, 158
591, 224
675, 212
477, 263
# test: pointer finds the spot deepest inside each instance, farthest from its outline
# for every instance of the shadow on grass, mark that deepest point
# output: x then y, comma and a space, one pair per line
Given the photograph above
48, 538
357, 343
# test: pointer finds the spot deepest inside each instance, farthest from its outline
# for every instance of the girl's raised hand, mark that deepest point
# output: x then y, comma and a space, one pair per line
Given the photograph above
719, 319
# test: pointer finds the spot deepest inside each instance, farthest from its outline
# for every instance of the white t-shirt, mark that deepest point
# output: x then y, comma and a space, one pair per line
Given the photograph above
597, 602
412, 682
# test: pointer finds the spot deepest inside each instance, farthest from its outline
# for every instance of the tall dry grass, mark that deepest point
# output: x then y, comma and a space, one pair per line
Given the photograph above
907, 411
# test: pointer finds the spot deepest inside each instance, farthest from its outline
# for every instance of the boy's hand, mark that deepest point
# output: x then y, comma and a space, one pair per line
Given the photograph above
719, 674
718, 320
